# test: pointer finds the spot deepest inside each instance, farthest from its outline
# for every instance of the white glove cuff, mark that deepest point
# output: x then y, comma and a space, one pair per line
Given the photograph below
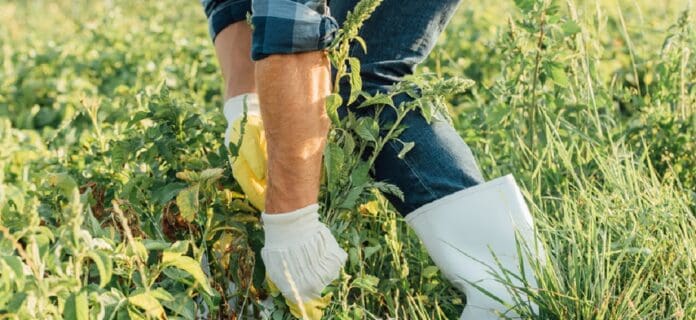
234, 107
286, 229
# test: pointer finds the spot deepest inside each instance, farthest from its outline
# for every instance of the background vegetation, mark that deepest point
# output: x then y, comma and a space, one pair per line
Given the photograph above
116, 198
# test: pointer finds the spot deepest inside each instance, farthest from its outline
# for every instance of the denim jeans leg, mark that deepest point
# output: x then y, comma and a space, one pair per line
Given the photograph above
400, 35
223, 13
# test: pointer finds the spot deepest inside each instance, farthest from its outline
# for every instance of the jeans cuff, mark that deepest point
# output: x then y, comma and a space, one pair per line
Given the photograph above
222, 15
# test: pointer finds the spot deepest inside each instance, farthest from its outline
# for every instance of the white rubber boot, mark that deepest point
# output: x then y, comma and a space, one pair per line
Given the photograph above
463, 231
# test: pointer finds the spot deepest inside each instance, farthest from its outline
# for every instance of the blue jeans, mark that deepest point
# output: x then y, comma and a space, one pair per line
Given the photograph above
399, 35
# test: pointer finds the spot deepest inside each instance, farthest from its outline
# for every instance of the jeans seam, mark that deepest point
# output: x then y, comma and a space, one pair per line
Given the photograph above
415, 173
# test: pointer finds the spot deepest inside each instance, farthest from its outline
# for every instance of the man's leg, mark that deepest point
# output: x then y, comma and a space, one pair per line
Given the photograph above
400, 35
233, 49
293, 79
231, 35
459, 217
292, 91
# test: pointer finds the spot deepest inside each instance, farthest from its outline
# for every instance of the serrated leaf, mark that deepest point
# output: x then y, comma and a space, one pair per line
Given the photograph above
189, 265
352, 198
333, 162
355, 79
389, 189
360, 174
187, 201
378, 99
367, 129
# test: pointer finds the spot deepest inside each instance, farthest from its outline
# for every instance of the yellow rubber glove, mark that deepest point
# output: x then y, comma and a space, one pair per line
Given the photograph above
249, 166
313, 310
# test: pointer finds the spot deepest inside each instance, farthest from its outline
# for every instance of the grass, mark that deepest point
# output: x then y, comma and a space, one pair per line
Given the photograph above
114, 184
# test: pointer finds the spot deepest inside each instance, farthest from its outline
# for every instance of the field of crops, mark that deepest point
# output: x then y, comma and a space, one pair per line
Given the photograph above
117, 200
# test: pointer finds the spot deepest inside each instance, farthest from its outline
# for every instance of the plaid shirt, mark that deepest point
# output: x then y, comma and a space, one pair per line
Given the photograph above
290, 26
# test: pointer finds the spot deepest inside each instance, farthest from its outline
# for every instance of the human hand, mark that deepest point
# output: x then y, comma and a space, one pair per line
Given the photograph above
302, 257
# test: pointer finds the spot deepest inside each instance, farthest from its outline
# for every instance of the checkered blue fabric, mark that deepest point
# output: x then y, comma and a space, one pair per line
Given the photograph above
290, 26
280, 26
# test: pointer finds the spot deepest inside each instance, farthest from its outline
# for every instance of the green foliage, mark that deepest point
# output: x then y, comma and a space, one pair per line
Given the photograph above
116, 198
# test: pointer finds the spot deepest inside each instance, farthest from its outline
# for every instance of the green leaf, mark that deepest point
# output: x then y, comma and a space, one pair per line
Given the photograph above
182, 305
168, 192
14, 304
15, 265
76, 306
210, 176
188, 176
430, 272
389, 188
104, 266
189, 265
161, 295
333, 102
559, 76
525, 5
148, 303
65, 184
361, 42
360, 174
151, 244
367, 129
369, 251
355, 79
333, 162
378, 99
366, 282
426, 108
187, 201
352, 198
570, 28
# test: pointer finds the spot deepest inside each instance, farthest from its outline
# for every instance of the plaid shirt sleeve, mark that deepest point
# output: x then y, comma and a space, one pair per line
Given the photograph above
290, 26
